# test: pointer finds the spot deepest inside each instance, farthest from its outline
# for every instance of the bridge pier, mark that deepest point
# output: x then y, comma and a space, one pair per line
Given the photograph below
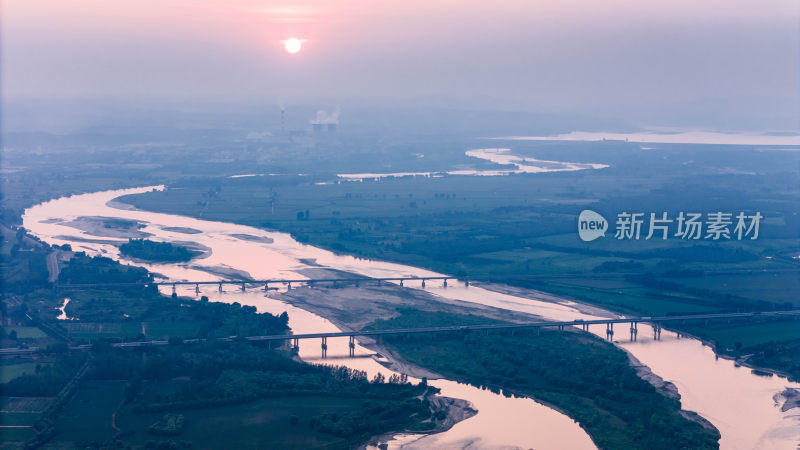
561, 328
220, 288
352, 346
634, 331
657, 331
356, 283
289, 286
466, 283
445, 283
324, 347
197, 288
401, 283
243, 288
266, 287
610, 331
423, 283
296, 345
173, 289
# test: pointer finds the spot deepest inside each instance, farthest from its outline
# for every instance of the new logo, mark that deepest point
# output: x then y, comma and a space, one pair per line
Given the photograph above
591, 225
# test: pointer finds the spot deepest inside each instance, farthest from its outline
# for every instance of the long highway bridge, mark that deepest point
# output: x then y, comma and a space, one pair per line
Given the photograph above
353, 281
294, 339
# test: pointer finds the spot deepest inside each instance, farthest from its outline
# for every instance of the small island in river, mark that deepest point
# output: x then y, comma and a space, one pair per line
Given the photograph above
157, 251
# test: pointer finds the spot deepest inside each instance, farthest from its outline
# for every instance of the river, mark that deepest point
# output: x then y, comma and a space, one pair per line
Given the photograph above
502, 156
740, 404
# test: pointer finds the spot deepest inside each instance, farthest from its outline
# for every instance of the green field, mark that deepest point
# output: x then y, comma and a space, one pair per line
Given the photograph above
263, 423
87, 331
632, 300
24, 404
87, 417
776, 288
16, 434
10, 371
27, 332
20, 413
748, 335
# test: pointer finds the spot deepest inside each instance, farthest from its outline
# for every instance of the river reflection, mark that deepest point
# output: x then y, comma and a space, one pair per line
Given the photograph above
737, 402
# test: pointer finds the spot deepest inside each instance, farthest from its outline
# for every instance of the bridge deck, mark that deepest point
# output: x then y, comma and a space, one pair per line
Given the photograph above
259, 282
501, 326
551, 324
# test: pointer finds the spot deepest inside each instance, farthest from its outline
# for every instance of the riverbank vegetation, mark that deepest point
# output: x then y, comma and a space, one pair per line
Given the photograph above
163, 252
589, 379
213, 383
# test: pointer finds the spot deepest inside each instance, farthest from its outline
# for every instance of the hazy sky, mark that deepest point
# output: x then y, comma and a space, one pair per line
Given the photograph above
661, 62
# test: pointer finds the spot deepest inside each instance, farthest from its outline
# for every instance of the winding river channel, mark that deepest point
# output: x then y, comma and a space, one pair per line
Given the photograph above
740, 404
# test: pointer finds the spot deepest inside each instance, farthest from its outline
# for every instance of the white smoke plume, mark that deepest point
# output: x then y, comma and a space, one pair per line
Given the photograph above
323, 117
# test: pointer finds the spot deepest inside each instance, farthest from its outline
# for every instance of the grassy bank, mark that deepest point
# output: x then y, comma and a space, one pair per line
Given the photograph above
585, 377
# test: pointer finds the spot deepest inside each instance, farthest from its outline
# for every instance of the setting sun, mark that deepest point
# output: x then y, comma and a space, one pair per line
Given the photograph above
293, 45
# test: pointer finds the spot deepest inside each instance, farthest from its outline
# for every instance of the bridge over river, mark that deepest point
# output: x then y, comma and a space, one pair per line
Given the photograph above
294, 339
351, 281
